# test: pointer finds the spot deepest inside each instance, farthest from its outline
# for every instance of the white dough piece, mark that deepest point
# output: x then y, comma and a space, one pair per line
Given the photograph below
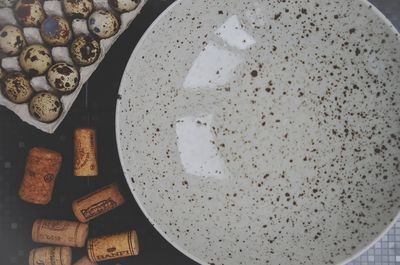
79, 26
61, 54
52, 8
32, 36
39, 83
7, 16
10, 64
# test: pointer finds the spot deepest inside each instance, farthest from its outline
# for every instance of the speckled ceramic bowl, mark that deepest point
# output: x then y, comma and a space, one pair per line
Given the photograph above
265, 132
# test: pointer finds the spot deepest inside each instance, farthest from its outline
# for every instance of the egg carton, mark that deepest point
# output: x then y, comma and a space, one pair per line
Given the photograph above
60, 54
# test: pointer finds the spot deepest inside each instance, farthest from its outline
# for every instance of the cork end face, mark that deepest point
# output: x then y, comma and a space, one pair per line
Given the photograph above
85, 261
135, 241
35, 227
78, 215
31, 257
89, 250
31, 200
119, 197
66, 255
78, 173
87, 130
44, 152
83, 232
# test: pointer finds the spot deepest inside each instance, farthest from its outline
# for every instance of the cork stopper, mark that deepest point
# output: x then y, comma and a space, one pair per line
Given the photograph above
85, 152
113, 246
51, 256
41, 170
85, 261
58, 232
97, 203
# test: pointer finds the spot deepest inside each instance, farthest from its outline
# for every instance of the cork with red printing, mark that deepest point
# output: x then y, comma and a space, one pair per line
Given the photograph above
85, 152
97, 203
60, 232
113, 246
41, 170
50, 255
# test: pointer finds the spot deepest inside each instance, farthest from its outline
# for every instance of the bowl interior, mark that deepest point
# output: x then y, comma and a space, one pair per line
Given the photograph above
264, 132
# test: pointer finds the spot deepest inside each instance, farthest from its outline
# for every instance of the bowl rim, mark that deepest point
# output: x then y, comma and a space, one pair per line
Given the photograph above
120, 151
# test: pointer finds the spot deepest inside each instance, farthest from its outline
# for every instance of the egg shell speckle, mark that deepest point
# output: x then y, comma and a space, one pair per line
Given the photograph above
63, 77
77, 8
103, 24
123, 6
85, 50
55, 31
45, 107
12, 40
17, 88
29, 13
35, 59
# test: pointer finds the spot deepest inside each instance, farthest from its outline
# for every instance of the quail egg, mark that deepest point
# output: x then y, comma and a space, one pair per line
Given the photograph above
29, 13
103, 24
85, 50
55, 31
12, 40
78, 8
35, 59
7, 3
123, 5
63, 77
45, 107
16, 88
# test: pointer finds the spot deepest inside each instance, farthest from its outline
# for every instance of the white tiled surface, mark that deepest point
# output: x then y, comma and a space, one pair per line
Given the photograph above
385, 252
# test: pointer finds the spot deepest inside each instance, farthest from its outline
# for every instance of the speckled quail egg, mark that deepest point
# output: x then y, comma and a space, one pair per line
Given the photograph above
103, 23
12, 40
29, 13
45, 107
85, 50
7, 3
55, 31
35, 59
2, 73
78, 8
123, 5
63, 77
16, 88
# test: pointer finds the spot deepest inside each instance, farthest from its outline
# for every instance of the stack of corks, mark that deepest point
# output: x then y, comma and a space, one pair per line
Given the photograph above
41, 170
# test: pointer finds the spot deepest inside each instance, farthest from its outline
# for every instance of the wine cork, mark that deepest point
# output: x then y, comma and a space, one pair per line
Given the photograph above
41, 169
63, 233
85, 155
50, 256
97, 203
85, 261
113, 246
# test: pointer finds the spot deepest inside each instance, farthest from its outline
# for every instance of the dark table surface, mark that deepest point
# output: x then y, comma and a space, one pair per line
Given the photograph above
94, 107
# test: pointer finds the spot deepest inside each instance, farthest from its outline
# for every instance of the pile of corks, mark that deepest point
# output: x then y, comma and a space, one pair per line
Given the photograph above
42, 167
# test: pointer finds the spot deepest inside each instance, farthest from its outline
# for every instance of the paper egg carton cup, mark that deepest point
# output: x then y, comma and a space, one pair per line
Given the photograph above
60, 54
